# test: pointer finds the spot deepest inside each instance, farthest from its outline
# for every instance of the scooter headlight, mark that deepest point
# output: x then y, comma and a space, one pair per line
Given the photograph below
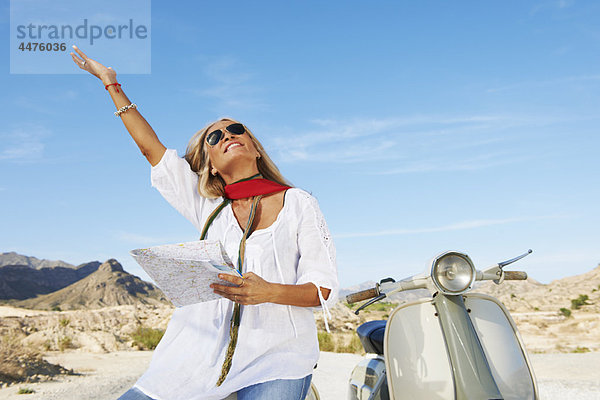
453, 272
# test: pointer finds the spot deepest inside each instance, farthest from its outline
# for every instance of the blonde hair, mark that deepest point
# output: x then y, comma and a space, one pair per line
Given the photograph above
212, 186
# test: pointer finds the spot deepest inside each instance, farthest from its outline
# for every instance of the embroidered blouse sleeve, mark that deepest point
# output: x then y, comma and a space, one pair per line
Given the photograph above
317, 263
178, 184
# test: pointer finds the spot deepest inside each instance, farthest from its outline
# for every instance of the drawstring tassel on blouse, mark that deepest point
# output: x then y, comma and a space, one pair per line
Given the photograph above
326, 312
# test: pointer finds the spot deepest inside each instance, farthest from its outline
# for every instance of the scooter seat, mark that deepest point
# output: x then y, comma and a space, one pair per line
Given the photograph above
371, 336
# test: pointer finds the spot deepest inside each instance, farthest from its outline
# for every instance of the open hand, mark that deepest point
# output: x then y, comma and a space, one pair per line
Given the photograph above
94, 67
251, 289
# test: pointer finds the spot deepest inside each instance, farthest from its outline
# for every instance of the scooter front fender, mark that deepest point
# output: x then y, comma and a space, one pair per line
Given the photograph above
416, 356
503, 347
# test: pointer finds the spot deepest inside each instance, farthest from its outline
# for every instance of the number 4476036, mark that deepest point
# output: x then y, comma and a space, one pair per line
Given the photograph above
42, 46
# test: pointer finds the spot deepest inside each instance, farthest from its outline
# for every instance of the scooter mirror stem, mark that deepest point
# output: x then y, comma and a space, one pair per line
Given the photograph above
512, 260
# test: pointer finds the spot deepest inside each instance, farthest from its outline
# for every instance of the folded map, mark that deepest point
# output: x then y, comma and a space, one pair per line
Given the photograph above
184, 271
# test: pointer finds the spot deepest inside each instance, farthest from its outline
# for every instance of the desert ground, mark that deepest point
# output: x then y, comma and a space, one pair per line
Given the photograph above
107, 376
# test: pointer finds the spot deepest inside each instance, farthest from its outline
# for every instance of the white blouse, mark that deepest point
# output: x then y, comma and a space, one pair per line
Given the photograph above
275, 341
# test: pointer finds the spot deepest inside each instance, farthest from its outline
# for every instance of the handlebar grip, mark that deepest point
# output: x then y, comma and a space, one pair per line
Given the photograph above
515, 275
362, 295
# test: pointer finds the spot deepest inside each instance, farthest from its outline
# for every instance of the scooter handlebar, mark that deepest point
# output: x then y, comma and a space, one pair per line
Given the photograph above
362, 295
515, 275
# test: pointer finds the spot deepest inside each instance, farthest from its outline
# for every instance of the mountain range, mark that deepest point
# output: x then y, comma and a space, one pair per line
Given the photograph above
13, 258
43, 284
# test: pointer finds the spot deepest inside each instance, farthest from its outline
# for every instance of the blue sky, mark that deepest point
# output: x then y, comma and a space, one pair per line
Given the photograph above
419, 126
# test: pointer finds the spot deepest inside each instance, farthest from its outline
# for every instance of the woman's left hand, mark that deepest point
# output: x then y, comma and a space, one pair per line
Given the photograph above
251, 289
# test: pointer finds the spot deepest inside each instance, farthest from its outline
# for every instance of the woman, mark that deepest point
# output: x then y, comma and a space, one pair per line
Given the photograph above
259, 340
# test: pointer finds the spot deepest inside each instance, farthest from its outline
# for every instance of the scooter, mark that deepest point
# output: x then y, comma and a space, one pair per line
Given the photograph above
453, 345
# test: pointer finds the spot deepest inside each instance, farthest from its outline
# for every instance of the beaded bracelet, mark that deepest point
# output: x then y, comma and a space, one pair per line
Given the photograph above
124, 108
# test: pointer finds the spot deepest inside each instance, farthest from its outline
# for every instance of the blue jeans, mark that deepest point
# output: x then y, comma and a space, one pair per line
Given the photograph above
284, 389
281, 389
134, 394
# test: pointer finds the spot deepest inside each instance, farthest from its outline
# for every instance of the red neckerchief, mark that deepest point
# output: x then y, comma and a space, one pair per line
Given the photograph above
252, 186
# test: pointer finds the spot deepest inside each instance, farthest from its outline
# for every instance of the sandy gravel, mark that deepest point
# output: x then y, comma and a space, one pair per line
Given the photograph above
6, 311
107, 376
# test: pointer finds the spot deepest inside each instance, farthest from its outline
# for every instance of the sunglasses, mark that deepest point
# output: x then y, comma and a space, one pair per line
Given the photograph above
215, 136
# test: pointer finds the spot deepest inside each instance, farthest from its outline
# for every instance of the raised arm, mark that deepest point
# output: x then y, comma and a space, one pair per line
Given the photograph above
137, 126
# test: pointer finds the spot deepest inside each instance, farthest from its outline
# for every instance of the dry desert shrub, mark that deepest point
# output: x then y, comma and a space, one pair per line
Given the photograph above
565, 311
146, 338
19, 363
353, 345
580, 301
339, 343
65, 342
325, 341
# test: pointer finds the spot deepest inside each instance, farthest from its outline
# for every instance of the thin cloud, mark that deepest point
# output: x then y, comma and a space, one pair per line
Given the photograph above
551, 6
40, 104
27, 103
330, 130
351, 153
231, 86
68, 95
475, 163
412, 141
23, 144
459, 226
